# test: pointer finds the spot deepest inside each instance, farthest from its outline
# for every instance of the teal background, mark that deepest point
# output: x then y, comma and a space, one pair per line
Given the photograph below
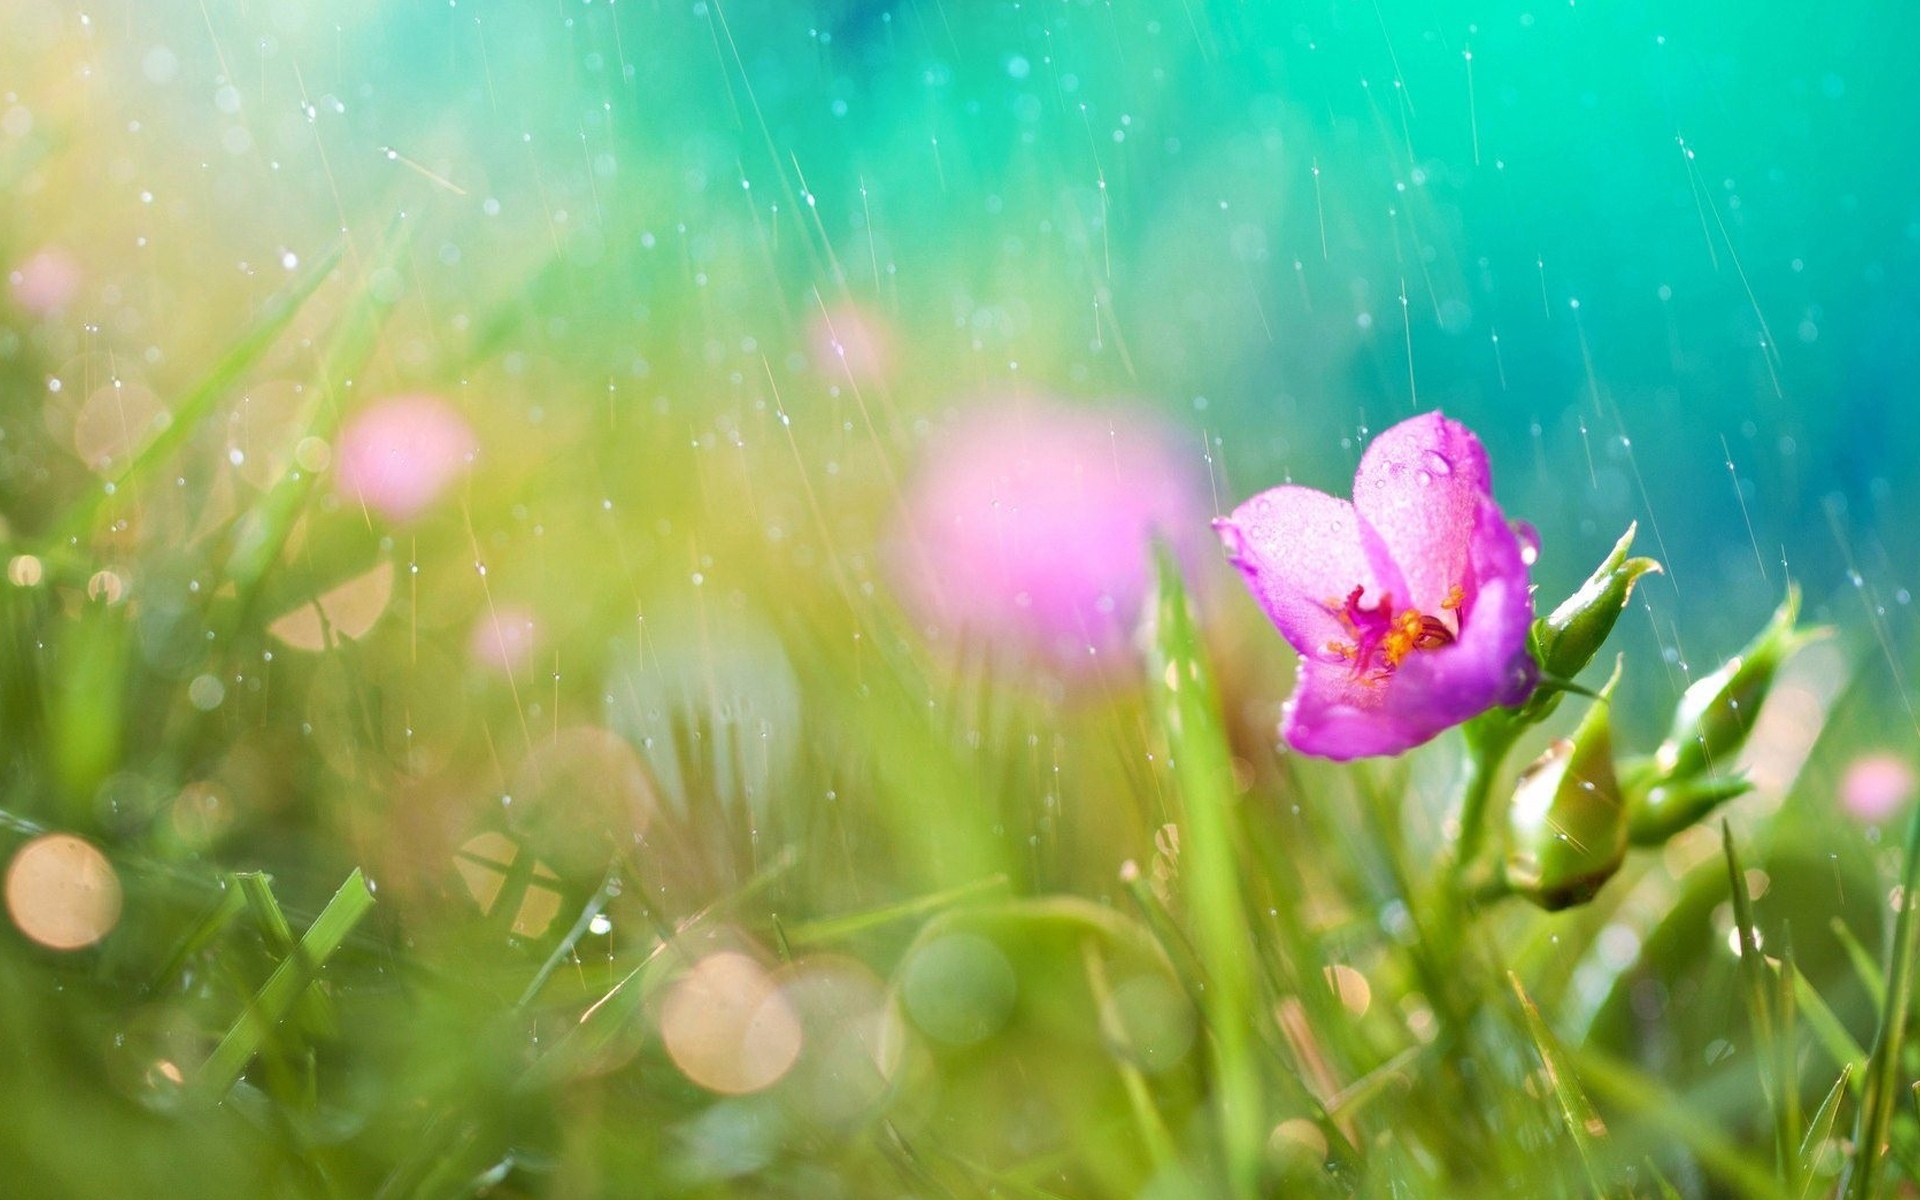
1121, 199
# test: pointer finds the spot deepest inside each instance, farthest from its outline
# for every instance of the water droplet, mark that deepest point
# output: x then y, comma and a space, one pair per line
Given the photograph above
1437, 462
1529, 542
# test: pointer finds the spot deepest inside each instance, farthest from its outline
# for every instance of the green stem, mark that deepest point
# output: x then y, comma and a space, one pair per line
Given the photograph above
1488, 740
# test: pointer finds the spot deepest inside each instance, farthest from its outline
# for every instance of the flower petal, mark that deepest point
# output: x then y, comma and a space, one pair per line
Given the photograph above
1489, 663
1419, 485
1336, 714
1302, 553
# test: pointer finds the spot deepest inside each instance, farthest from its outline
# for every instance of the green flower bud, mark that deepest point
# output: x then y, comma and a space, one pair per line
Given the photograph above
1567, 823
1568, 638
1656, 813
1714, 716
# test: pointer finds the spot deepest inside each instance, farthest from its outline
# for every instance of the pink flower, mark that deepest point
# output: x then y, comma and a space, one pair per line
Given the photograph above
1031, 528
399, 454
46, 281
504, 639
1875, 786
1409, 607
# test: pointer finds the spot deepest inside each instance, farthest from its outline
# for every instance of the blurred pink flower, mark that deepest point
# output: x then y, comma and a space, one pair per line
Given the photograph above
1876, 786
1030, 526
398, 454
1409, 606
504, 639
46, 281
848, 343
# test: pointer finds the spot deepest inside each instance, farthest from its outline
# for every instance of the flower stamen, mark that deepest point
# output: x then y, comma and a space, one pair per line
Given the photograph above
1382, 639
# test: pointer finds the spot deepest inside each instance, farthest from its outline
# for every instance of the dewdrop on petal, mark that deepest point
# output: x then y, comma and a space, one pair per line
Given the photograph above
398, 454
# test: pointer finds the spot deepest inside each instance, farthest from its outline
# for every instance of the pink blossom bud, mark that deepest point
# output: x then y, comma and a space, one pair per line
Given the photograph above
504, 639
46, 281
1030, 525
398, 454
1876, 787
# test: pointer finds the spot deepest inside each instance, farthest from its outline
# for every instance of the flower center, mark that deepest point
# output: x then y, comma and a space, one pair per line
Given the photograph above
1383, 639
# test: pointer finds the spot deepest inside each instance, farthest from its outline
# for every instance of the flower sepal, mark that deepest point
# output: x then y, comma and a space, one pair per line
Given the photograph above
1716, 714
1567, 639
1657, 812
1567, 824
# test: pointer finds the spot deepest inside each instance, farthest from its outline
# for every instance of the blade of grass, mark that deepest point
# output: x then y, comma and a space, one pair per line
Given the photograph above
608, 889
1883, 1065
193, 407
1787, 1052
224, 910
1760, 1015
1146, 1114
316, 1013
1864, 966
615, 1013
1821, 1128
262, 530
1173, 940
1827, 1029
1643, 1097
1202, 766
1348, 1101
833, 929
276, 997
1660, 1180
1582, 1119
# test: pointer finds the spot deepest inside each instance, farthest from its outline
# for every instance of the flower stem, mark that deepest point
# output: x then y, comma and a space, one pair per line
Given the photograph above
1488, 740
